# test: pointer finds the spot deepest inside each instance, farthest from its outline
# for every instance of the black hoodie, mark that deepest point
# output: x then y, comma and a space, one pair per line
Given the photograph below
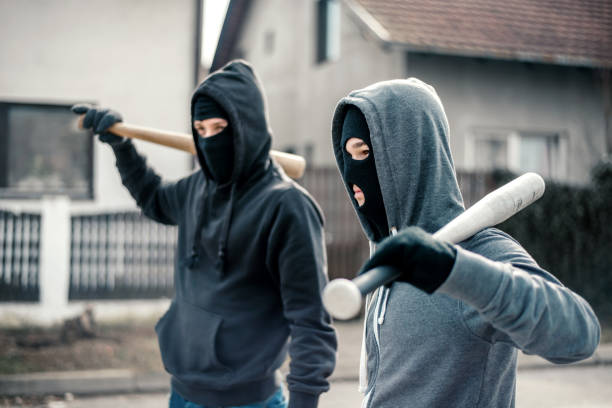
250, 265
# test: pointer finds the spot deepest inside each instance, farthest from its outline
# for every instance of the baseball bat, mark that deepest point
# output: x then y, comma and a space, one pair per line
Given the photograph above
343, 297
292, 164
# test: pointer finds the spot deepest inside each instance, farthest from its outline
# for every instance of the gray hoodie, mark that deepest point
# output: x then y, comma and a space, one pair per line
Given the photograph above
458, 346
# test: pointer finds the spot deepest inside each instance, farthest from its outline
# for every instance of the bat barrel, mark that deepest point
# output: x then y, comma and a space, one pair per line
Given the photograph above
494, 208
342, 297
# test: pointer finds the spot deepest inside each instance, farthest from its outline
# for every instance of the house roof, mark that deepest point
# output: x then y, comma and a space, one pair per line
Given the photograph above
569, 32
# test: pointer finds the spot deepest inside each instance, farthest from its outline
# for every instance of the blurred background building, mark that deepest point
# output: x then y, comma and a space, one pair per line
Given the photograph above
69, 230
526, 86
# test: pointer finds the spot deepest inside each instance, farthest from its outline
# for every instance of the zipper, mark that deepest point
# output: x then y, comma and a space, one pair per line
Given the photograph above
378, 318
386, 292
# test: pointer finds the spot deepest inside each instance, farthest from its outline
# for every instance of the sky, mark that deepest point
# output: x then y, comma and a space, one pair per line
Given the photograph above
213, 16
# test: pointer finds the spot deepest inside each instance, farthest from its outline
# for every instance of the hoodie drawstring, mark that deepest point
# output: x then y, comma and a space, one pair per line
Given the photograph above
194, 258
382, 296
385, 299
386, 292
363, 358
221, 255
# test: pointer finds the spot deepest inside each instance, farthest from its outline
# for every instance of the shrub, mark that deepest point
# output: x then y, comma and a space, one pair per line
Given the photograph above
569, 233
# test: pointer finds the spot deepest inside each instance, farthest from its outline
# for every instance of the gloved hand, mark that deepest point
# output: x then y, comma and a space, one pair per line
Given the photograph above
425, 262
99, 120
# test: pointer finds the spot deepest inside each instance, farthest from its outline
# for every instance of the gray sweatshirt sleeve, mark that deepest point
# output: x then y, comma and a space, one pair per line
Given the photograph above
159, 201
531, 308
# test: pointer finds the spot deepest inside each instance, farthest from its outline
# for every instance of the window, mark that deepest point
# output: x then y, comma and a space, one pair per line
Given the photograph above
328, 30
43, 152
518, 151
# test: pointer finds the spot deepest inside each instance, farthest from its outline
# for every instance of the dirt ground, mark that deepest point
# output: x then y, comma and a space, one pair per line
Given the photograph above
124, 345
118, 346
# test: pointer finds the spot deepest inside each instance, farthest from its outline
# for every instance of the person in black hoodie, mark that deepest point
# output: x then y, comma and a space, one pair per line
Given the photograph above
250, 262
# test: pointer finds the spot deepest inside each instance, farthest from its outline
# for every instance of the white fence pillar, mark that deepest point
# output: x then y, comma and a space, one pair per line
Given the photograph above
54, 256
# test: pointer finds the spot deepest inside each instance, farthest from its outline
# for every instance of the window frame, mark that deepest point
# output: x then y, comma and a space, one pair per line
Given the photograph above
10, 192
328, 30
558, 165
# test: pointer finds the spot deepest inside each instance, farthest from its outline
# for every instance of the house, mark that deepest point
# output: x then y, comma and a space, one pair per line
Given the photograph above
103, 52
69, 230
526, 84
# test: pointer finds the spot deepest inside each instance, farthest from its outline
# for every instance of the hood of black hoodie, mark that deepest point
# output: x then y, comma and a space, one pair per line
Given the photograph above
237, 89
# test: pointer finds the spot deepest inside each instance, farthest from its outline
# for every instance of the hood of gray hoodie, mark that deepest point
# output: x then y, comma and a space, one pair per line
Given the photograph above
410, 142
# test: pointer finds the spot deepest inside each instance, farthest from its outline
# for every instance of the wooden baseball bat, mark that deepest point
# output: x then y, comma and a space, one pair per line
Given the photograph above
292, 164
342, 297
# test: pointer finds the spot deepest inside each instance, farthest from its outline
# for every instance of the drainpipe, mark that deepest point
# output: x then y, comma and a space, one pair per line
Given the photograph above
607, 102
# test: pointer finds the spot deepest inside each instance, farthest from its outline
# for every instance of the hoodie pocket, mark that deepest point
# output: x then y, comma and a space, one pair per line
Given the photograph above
187, 339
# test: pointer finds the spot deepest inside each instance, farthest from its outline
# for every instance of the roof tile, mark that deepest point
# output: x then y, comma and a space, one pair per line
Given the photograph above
557, 31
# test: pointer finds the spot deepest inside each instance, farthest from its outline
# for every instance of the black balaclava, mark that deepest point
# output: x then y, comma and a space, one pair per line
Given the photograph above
218, 150
363, 173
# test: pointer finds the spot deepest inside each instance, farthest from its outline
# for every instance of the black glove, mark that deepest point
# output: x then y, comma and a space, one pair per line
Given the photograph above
99, 120
425, 262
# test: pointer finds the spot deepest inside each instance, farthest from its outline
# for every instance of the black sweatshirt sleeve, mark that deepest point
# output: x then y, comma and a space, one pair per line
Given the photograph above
158, 201
297, 252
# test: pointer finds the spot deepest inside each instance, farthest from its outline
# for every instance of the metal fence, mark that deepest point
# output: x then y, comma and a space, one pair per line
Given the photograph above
474, 185
19, 256
347, 247
123, 255
120, 255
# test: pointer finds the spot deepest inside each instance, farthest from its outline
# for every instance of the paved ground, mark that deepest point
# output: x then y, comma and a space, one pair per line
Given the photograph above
540, 384
565, 387
575, 387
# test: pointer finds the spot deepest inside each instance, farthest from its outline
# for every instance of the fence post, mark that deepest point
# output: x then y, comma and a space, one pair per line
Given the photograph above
54, 256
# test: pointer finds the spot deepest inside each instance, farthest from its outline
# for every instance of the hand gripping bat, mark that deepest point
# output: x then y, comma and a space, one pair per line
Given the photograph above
342, 297
293, 164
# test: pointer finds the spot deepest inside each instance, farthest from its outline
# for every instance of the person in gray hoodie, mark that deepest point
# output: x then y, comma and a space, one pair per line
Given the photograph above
250, 261
447, 331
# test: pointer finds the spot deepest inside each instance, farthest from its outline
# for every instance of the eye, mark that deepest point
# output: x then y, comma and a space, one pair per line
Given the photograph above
361, 154
357, 149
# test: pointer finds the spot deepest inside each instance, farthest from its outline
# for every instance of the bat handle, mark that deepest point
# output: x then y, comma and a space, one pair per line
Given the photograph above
342, 297
292, 164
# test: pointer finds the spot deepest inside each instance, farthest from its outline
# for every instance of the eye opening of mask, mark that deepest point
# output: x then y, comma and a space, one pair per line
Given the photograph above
357, 148
210, 126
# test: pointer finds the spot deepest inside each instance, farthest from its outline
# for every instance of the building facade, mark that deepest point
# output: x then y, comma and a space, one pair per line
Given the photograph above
513, 100
70, 233
140, 58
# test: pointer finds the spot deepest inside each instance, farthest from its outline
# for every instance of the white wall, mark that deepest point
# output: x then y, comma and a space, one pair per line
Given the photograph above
136, 56
301, 94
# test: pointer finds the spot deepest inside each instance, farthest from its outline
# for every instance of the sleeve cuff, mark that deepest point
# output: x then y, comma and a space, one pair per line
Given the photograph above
474, 279
124, 144
302, 400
